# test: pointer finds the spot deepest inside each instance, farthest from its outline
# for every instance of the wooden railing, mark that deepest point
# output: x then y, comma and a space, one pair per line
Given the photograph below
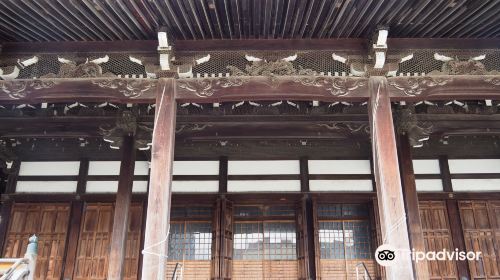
21, 268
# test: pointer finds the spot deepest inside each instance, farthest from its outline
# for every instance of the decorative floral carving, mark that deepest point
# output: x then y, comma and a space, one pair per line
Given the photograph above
191, 127
337, 86
85, 70
494, 81
206, 87
353, 128
17, 89
415, 86
132, 88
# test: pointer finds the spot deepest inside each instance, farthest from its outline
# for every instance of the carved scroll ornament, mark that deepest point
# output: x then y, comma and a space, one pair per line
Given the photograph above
417, 85
208, 86
337, 86
129, 88
17, 89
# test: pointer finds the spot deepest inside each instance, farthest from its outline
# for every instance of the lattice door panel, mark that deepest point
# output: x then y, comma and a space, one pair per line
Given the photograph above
50, 223
94, 242
481, 230
437, 236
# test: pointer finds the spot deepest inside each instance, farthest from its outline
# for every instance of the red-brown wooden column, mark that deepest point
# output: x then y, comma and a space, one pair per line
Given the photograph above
159, 193
122, 209
388, 180
411, 202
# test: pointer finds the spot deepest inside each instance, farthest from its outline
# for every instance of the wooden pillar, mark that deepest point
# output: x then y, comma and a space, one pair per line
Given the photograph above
456, 229
411, 203
75, 222
393, 221
7, 202
159, 193
122, 208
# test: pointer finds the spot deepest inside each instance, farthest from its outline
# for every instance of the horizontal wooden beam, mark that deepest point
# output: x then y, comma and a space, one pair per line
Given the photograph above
242, 88
150, 46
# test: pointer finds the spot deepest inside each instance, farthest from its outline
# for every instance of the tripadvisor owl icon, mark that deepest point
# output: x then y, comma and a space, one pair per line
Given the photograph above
386, 255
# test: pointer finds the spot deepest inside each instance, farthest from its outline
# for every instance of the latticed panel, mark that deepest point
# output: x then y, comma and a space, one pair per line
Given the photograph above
50, 223
318, 61
117, 64
94, 242
190, 246
424, 62
482, 235
437, 236
265, 250
344, 238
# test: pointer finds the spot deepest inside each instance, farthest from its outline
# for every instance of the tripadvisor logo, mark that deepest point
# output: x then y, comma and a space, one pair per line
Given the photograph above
386, 255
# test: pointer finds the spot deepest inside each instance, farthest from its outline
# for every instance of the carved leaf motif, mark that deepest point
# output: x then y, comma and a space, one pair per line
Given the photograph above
207, 87
16, 89
129, 88
493, 81
415, 86
337, 86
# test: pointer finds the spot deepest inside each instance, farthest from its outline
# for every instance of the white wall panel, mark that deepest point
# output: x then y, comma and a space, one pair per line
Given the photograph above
113, 168
196, 168
49, 168
263, 167
46, 186
263, 186
195, 186
339, 167
341, 185
426, 166
112, 187
475, 185
429, 185
474, 166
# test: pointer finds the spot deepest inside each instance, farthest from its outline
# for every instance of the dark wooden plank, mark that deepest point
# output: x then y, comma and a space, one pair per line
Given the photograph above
445, 173
457, 236
12, 178
72, 241
5, 211
82, 176
389, 191
304, 174
222, 175
122, 208
411, 205
159, 194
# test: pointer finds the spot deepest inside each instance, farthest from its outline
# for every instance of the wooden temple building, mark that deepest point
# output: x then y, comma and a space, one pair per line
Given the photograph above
250, 139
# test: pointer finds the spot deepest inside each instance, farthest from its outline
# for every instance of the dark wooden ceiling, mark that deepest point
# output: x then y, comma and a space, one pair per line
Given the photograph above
102, 20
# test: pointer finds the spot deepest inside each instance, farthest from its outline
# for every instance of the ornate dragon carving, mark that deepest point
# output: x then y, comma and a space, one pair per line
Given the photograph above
337, 86
494, 81
127, 124
17, 89
463, 67
351, 127
415, 86
132, 88
85, 70
270, 69
407, 123
206, 87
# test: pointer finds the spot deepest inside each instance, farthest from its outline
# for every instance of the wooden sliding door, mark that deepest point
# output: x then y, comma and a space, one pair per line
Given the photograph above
95, 234
481, 226
437, 236
190, 243
265, 243
49, 221
344, 240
